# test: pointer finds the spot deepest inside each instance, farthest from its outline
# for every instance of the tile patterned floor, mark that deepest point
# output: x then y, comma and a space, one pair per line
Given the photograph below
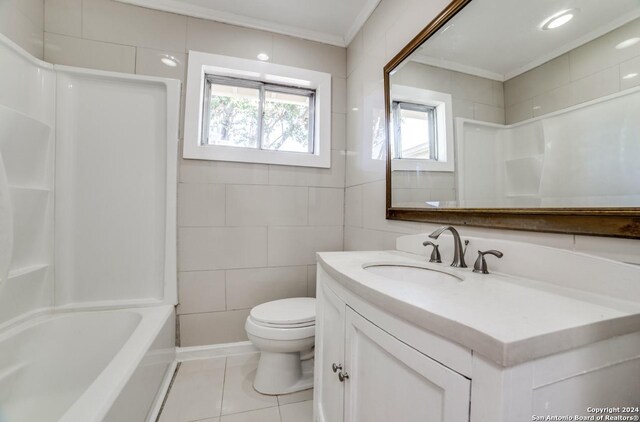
221, 390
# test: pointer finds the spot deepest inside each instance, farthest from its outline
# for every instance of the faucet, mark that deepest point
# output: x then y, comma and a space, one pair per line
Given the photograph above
458, 251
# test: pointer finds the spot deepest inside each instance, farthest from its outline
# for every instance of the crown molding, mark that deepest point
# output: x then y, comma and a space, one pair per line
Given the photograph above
181, 8
360, 20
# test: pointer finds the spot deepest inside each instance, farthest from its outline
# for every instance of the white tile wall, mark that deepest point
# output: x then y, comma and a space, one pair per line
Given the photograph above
219, 38
119, 23
309, 176
64, 17
326, 207
201, 205
148, 63
239, 224
298, 245
22, 21
213, 248
212, 327
628, 69
256, 205
202, 291
197, 171
252, 286
72, 51
588, 72
301, 53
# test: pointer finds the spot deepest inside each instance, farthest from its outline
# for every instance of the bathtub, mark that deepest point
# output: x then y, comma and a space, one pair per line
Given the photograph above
86, 366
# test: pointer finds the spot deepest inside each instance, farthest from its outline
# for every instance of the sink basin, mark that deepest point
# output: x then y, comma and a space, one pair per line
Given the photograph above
412, 273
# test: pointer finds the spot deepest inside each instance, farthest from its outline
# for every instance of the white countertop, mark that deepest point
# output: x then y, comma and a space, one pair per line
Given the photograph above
507, 319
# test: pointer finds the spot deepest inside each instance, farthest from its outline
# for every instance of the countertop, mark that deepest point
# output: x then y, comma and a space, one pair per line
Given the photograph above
507, 319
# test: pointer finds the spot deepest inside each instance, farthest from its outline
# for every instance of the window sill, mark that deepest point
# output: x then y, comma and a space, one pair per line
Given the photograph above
249, 155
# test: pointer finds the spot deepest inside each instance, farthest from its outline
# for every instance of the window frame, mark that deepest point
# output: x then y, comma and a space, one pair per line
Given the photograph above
443, 104
431, 111
280, 77
262, 87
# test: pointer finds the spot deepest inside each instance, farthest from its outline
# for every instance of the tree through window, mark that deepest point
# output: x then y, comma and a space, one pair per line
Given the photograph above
252, 114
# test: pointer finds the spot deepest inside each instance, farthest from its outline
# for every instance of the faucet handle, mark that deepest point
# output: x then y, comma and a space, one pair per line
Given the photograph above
435, 253
481, 264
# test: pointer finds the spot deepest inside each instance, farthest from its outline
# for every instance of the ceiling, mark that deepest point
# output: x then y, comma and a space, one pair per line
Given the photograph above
333, 22
500, 39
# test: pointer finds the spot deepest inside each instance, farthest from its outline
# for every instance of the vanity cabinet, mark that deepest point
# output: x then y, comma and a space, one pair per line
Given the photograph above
363, 373
389, 366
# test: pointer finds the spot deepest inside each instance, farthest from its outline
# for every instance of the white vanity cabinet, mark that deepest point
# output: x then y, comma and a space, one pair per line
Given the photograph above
419, 351
378, 377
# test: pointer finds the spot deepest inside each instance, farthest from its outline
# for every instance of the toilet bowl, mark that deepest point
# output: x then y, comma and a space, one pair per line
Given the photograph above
284, 333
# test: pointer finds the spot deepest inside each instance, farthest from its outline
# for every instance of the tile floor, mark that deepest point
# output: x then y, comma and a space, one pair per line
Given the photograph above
221, 390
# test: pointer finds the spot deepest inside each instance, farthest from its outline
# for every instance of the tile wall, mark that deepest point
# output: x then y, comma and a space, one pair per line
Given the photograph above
588, 72
391, 26
247, 233
22, 21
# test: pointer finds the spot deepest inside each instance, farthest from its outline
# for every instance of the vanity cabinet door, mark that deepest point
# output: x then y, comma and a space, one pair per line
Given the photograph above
390, 381
329, 391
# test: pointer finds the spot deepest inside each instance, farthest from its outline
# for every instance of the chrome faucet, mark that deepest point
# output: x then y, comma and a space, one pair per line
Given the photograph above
458, 251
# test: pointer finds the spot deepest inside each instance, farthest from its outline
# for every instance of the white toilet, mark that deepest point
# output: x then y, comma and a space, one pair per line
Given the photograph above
284, 332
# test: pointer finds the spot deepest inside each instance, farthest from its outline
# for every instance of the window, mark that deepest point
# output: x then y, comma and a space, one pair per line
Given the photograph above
422, 130
415, 131
251, 114
259, 112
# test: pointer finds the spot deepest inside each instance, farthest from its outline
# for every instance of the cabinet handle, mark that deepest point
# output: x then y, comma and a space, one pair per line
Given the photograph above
335, 367
343, 376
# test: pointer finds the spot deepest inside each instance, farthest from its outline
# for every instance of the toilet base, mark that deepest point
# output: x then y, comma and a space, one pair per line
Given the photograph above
283, 373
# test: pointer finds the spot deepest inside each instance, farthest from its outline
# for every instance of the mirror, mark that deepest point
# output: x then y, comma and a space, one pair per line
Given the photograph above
532, 108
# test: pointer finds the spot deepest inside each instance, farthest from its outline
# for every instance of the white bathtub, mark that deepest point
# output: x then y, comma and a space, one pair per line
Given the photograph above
86, 366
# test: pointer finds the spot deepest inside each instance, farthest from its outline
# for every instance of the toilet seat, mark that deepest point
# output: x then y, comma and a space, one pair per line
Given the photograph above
285, 319
278, 333
286, 313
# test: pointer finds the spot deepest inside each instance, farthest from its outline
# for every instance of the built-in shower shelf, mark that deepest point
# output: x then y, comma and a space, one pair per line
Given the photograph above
19, 272
25, 148
32, 211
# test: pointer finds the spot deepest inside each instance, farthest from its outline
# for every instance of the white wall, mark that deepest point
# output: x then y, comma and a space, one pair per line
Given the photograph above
22, 21
247, 233
390, 27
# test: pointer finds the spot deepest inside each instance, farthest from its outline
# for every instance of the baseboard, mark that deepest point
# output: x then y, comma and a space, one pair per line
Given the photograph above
162, 392
214, 350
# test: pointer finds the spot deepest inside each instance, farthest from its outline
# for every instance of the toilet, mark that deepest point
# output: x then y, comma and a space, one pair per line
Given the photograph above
284, 332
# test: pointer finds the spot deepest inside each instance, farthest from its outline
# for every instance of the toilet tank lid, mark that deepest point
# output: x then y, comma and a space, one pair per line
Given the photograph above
286, 311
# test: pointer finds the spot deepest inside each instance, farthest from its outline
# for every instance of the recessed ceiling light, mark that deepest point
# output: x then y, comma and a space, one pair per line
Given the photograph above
558, 19
628, 43
169, 61
263, 56
630, 75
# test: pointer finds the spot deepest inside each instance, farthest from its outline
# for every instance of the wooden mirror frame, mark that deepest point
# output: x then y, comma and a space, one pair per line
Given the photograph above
613, 222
